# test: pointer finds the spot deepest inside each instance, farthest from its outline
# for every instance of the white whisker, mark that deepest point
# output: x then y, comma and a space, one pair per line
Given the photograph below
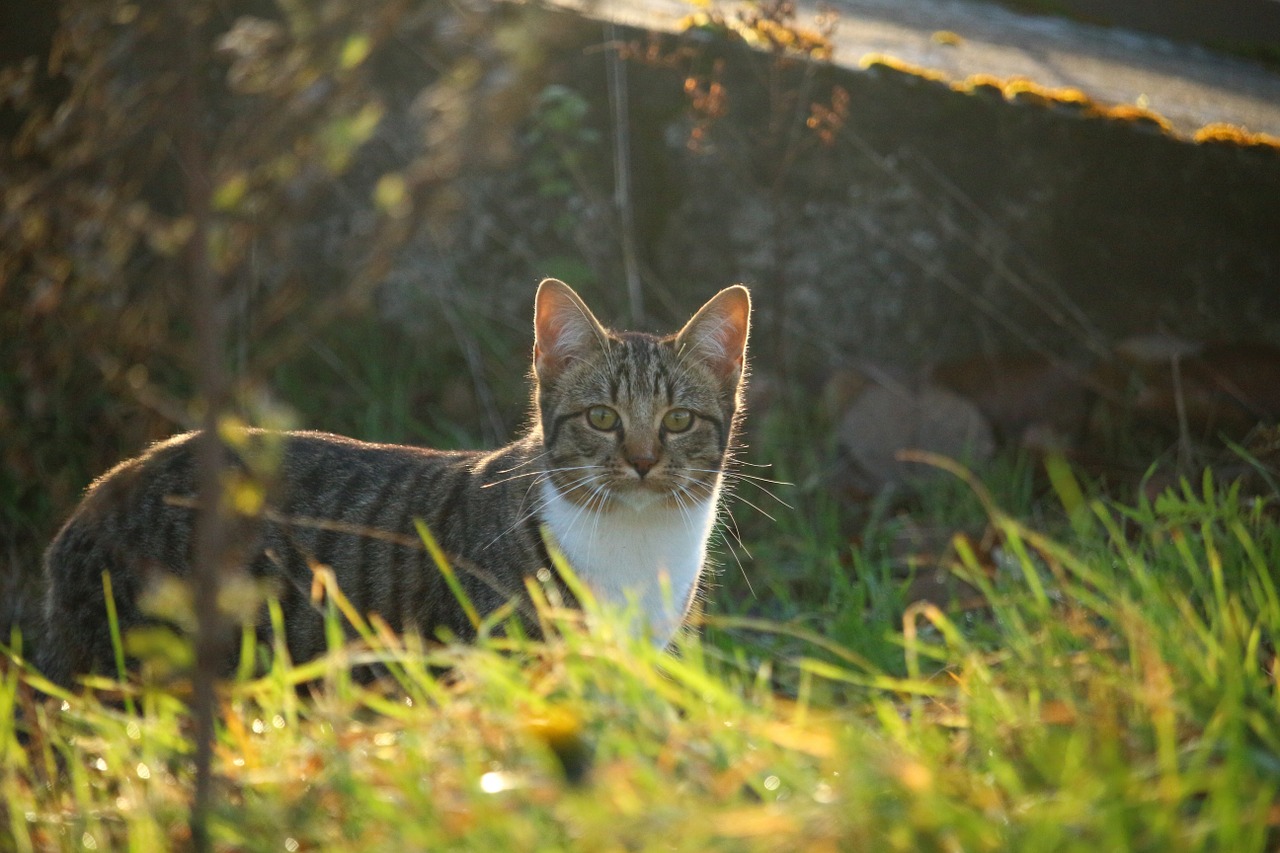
528, 461
541, 503
738, 477
535, 474
741, 569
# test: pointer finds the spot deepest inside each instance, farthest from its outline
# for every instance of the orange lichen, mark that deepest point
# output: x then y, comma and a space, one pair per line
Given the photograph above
788, 37
872, 61
1018, 90
1137, 115
978, 81
701, 20
986, 84
1230, 134
781, 35
1022, 89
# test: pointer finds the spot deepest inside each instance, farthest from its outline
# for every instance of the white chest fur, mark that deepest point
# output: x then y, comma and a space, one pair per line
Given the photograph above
651, 556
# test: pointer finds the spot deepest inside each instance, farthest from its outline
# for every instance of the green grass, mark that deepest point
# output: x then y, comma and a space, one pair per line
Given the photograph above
1117, 692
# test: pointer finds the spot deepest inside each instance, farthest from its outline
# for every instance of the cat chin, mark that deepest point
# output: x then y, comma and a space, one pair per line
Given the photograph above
639, 500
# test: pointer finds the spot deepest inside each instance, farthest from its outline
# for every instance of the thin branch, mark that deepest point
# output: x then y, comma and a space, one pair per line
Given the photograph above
616, 74
209, 322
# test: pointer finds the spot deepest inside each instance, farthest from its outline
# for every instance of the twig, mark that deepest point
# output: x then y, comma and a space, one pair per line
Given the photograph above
475, 366
1180, 405
210, 325
616, 74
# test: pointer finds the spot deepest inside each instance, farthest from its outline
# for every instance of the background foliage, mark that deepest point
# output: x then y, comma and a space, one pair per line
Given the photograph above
378, 188
373, 188
301, 144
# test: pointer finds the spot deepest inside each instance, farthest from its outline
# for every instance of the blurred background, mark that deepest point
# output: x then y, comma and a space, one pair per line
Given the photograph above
949, 248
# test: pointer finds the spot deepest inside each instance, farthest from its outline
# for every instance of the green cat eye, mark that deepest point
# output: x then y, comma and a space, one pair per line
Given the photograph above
677, 420
602, 417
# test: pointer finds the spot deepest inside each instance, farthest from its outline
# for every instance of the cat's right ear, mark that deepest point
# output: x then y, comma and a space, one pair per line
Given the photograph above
564, 329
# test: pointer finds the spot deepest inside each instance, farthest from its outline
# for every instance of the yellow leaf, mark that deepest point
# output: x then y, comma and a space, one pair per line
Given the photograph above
345, 135
245, 496
233, 431
391, 195
355, 51
230, 192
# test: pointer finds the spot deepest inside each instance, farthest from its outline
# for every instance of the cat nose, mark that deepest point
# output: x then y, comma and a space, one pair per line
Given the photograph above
643, 462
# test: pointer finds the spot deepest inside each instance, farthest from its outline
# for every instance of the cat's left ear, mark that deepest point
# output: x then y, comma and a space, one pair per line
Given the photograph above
718, 332
564, 329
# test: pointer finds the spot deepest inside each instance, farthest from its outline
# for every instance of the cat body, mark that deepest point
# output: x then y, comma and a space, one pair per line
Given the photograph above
622, 466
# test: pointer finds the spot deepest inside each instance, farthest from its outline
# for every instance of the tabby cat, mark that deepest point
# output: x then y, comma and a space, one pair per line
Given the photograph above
623, 466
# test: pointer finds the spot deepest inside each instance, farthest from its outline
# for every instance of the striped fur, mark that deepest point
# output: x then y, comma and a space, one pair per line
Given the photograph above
352, 506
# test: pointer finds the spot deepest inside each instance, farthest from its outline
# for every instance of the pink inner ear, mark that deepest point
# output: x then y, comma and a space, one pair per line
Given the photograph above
719, 331
547, 354
562, 331
732, 338
553, 349
734, 331
540, 361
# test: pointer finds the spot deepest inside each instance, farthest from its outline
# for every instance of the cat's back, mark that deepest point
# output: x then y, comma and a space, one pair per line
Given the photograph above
317, 471
295, 497
145, 506
294, 467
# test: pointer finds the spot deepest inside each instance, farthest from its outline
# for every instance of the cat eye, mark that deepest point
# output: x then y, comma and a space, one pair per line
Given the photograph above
602, 417
677, 420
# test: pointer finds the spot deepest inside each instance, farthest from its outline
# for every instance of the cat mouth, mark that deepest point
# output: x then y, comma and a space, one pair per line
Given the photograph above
640, 494
630, 492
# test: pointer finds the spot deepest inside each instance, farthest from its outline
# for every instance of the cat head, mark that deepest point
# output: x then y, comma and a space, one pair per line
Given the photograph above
632, 419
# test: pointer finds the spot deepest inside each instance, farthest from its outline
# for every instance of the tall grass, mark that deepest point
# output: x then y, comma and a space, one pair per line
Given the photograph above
1117, 692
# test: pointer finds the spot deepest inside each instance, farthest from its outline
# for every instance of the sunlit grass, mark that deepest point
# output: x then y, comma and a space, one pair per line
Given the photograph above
1117, 692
